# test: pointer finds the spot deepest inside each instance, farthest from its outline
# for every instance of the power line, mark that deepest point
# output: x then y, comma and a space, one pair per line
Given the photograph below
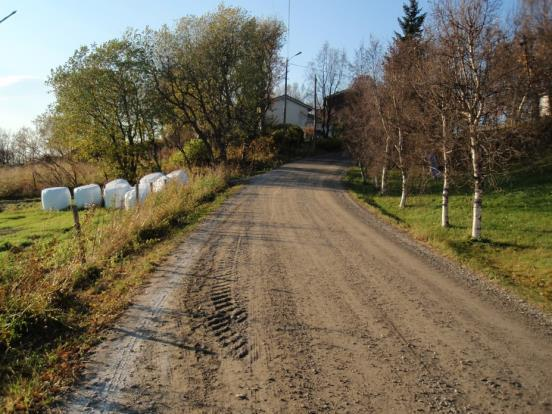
301, 66
8, 16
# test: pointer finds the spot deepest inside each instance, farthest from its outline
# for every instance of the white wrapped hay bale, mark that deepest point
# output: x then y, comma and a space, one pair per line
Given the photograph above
130, 196
179, 176
55, 198
130, 199
116, 182
114, 195
87, 196
160, 183
151, 178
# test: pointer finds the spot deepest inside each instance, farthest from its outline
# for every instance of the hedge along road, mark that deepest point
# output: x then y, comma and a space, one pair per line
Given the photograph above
292, 298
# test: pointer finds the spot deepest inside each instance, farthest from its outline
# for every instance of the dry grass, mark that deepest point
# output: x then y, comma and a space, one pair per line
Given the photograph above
26, 181
52, 305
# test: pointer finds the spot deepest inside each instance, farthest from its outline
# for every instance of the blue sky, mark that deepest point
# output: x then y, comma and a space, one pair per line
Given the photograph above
44, 34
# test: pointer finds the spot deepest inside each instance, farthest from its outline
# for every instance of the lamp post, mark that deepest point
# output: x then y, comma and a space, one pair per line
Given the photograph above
8, 16
285, 87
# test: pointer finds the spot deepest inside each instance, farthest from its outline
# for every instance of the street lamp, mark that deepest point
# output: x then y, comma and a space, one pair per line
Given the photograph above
8, 16
285, 86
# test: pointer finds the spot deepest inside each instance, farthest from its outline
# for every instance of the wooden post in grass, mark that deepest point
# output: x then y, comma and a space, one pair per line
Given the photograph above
80, 241
137, 186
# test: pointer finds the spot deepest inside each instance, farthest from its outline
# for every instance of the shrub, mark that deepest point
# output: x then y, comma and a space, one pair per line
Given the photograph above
196, 152
329, 144
288, 140
262, 150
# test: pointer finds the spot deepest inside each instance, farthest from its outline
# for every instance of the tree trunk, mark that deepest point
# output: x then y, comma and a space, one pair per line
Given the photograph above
477, 185
445, 203
35, 187
362, 172
383, 187
403, 172
403, 187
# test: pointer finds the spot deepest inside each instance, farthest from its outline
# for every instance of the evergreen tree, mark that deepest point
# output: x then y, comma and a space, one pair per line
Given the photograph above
412, 22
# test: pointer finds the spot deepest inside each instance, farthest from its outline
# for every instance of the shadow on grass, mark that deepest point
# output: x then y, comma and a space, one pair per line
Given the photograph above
384, 211
366, 193
473, 248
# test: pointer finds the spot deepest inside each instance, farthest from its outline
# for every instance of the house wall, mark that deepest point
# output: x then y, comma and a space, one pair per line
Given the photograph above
296, 114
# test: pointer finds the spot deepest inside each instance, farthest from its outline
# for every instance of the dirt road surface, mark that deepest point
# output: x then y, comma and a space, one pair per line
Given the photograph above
292, 298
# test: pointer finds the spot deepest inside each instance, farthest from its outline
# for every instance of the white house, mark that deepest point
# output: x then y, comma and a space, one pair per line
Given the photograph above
298, 113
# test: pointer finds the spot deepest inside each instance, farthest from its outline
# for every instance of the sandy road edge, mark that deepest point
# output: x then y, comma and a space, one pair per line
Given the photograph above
106, 333
473, 280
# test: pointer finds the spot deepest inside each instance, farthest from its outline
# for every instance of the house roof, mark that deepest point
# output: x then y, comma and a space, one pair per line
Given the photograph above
292, 99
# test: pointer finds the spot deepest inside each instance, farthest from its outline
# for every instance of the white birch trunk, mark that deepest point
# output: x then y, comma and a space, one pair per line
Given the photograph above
445, 201
362, 173
383, 187
477, 185
403, 172
403, 192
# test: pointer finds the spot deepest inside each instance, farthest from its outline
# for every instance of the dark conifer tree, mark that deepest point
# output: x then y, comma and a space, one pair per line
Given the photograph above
412, 21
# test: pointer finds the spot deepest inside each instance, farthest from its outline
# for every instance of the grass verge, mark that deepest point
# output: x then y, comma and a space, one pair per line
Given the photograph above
24, 223
516, 251
53, 307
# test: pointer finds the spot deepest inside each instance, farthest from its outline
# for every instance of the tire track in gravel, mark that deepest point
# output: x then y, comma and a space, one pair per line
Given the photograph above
294, 299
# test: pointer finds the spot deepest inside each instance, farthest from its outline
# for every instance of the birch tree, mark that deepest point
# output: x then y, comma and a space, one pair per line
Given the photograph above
435, 90
405, 109
368, 64
469, 32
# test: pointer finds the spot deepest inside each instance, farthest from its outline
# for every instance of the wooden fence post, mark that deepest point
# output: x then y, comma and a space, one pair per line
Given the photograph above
78, 231
137, 186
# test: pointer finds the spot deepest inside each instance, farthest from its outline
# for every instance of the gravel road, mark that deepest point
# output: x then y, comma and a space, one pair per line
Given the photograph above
292, 298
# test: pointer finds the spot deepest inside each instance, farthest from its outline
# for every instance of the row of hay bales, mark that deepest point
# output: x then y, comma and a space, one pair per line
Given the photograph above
116, 194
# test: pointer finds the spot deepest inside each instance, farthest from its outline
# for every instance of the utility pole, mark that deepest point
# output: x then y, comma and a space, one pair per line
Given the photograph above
8, 16
285, 93
314, 132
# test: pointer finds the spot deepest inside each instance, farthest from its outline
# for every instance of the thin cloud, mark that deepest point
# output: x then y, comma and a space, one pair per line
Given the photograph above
13, 79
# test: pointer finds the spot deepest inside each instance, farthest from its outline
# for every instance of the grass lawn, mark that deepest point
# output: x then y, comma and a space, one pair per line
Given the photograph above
516, 249
22, 223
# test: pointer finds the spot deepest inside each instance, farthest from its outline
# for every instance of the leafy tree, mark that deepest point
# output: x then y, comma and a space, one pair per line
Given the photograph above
106, 108
215, 74
412, 21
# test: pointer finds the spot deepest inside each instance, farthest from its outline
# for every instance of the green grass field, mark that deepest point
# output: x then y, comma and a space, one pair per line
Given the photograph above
516, 248
22, 223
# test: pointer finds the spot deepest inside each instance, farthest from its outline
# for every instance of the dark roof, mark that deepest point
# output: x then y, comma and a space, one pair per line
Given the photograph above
339, 99
292, 99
